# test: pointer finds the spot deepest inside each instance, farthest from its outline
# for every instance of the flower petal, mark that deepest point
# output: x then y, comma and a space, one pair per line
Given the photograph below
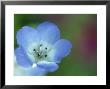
21, 58
36, 71
26, 36
49, 32
49, 66
63, 48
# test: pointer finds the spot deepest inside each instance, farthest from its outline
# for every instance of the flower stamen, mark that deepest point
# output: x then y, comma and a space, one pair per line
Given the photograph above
40, 52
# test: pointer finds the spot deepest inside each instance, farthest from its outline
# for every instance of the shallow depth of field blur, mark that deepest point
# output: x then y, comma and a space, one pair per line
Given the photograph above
80, 29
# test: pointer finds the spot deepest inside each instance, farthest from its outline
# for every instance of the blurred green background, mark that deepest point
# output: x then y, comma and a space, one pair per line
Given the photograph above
80, 29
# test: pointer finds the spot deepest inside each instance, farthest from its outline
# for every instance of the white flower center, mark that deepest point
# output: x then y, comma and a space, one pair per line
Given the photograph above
40, 51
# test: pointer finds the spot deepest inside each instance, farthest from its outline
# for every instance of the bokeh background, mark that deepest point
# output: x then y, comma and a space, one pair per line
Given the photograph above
80, 29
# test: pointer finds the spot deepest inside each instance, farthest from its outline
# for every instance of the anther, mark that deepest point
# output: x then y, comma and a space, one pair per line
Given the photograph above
34, 49
40, 44
45, 55
38, 55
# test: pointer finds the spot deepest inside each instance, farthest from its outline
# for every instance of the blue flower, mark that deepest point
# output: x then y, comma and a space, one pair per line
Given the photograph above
41, 49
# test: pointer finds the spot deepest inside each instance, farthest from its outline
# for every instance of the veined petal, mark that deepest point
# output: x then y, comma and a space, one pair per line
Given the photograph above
49, 32
49, 66
26, 36
63, 48
21, 58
